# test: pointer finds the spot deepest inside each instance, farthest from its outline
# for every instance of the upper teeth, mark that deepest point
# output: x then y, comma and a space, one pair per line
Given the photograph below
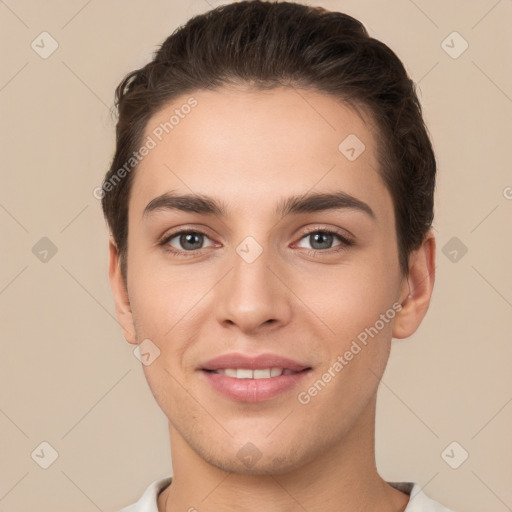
242, 373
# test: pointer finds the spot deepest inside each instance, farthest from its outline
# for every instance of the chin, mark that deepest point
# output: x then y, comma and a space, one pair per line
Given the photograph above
249, 460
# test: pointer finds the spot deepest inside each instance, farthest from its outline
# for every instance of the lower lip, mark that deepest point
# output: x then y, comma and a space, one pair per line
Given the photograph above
253, 390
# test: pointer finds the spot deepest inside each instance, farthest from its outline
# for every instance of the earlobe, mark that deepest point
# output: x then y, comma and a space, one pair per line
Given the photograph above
121, 299
417, 289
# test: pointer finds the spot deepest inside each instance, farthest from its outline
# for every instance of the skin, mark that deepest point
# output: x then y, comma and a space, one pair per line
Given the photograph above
250, 150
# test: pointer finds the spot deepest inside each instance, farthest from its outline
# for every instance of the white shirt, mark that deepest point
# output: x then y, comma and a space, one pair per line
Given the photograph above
418, 502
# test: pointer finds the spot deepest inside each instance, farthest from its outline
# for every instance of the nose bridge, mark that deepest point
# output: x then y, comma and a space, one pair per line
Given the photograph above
251, 294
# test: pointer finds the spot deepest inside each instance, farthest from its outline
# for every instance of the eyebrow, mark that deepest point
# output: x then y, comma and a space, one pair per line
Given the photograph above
308, 203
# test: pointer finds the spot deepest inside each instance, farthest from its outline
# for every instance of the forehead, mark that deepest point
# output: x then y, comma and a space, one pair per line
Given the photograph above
251, 147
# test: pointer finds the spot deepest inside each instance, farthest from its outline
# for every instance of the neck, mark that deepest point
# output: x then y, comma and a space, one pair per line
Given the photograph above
344, 478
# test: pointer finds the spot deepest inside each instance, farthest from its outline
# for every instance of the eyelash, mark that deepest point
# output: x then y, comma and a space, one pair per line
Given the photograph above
345, 242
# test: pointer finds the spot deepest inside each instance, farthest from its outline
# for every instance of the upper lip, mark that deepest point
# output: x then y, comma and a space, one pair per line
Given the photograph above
258, 362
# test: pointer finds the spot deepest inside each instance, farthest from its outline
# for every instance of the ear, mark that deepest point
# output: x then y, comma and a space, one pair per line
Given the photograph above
120, 292
416, 288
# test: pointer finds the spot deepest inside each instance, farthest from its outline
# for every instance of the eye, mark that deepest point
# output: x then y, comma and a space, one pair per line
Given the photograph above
189, 242
185, 241
322, 240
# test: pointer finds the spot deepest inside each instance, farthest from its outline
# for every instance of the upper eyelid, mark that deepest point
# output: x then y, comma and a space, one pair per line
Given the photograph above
170, 236
167, 238
333, 231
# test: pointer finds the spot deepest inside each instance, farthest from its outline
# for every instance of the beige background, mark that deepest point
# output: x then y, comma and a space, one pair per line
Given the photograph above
69, 378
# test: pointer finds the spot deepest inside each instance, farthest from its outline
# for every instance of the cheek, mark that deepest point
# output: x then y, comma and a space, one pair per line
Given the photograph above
350, 298
161, 296
356, 303
360, 316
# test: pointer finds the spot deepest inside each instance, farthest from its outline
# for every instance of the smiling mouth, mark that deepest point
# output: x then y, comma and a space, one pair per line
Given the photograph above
263, 373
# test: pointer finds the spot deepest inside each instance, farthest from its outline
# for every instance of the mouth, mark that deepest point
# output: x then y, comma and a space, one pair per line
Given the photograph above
244, 378
262, 373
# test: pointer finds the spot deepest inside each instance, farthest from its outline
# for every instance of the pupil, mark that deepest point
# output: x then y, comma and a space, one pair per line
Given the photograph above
318, 237
187, 241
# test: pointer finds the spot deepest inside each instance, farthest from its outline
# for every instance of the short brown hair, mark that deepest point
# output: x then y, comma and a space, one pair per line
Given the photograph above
267, 45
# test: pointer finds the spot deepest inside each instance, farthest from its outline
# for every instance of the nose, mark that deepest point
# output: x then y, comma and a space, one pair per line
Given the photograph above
254, 294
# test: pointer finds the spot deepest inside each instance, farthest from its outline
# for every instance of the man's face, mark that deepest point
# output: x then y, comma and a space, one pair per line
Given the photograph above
257, 281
